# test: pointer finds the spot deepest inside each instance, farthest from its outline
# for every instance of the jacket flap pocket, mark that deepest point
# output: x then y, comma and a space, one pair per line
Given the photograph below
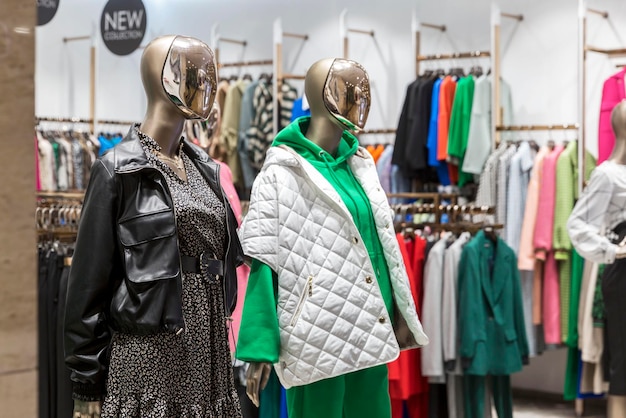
510, 335
147, 227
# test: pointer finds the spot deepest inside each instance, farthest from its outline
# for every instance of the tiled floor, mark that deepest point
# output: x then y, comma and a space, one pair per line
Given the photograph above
526, 408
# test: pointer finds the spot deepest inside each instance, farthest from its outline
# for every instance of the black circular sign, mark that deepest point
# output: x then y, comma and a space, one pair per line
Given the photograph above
123, 25
46, 9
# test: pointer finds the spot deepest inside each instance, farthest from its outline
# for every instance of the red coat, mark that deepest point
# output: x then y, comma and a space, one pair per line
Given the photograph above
405, 374
614, 91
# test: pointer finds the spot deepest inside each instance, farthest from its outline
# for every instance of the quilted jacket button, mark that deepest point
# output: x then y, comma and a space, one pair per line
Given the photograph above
387, 225
368, 279
381, 319
355, 240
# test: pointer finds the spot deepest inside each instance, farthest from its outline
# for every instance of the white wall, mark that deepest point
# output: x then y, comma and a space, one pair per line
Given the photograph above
539, 60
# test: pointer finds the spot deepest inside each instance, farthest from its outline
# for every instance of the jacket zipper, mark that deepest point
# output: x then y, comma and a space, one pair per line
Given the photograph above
307, 292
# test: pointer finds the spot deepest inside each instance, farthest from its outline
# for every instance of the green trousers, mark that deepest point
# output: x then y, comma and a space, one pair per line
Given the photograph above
474, 388
354, 395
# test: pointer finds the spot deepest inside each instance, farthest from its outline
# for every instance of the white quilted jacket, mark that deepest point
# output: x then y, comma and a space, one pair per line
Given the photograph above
331, 313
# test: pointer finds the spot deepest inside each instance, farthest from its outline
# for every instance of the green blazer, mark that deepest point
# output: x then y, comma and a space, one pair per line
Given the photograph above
491, 317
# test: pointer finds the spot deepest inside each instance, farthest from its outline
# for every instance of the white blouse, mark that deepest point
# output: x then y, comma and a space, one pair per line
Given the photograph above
601, 207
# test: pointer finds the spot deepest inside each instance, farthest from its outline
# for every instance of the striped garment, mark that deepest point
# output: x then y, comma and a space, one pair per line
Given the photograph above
261, 133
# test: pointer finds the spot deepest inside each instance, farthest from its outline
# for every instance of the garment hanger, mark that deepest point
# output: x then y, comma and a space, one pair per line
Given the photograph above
476, 71
490, 233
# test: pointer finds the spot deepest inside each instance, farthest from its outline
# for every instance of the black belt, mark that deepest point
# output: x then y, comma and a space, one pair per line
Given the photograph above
202, 264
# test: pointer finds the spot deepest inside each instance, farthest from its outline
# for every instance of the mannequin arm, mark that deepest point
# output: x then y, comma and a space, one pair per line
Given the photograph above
256, 379
83, 409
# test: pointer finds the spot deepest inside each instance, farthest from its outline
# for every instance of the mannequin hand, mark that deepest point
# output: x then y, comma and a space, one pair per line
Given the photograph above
256, 380
83, 409
621, 250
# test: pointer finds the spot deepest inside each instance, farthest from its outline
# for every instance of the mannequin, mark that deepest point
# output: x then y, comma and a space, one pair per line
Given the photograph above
339, 97
141, 293
601, 206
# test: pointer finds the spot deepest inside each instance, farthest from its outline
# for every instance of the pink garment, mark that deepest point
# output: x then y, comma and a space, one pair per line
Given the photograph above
526, 256
226, 178
542, 242
551, 301
544, 224
613, 92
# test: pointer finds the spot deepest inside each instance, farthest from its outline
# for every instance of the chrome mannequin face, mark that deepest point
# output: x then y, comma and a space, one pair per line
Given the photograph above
189, 77
347, 94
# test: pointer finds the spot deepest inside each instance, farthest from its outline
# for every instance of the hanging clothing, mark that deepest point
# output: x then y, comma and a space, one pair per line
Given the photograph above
451, 352
488, 186
517, 189
544, 227
383, 167
432, 354
449, 303
404, 127
502, 188
246, 117
526, 254
243, 271
406, 382
613, 92
480, 140
433, 135
300, 108
446, 101
459, 126
230, 129
261, 133
566, 195
416, 152
475, 396
491, 318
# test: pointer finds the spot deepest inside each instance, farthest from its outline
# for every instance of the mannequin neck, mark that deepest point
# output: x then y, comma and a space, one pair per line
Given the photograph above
619, 151
164, 123
324, 133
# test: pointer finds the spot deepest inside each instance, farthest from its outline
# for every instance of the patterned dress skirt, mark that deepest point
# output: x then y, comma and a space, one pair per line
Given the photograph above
187, 375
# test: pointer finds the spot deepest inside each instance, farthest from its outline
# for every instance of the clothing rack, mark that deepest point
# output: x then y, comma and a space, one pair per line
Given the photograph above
279, 75
437, 199
91, 122
496, 18
455, 213
377, 131
584, 48
345, 31
92, 73
216, 39
515, 128
57, 215
245, 63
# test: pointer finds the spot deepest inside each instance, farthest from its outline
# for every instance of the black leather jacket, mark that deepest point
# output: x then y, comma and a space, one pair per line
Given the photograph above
126, 269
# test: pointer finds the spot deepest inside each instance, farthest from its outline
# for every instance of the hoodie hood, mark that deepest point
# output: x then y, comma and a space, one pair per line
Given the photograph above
293, 137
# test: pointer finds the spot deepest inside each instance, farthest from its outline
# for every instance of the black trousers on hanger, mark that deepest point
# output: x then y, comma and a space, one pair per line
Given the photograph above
65, 403
55, 389
42, 347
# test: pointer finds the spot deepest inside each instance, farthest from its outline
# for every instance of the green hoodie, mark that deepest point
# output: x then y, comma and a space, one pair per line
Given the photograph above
258, 334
